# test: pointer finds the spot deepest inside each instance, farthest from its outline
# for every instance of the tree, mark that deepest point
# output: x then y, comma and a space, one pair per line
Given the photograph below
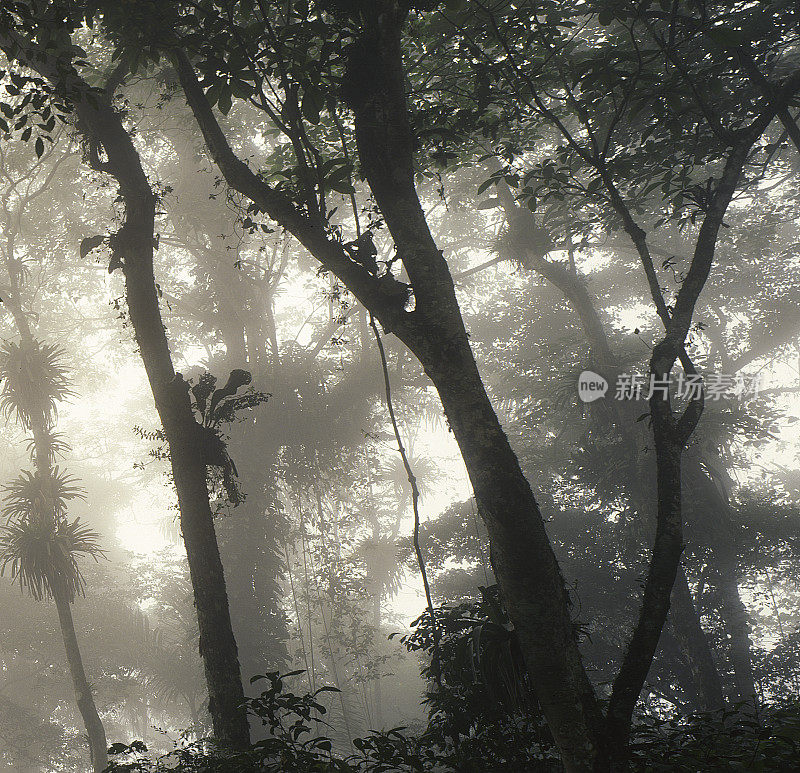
331, 74
39, 544
132, 250
372, 84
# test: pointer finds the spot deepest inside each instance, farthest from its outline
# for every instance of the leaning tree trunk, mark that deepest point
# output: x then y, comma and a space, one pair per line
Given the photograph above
524, 562
83, 692
132, 248
522, 557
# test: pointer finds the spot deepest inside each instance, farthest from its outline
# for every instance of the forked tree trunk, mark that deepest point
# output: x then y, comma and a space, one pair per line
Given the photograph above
524, 562
622, 416
525, 565
83, 692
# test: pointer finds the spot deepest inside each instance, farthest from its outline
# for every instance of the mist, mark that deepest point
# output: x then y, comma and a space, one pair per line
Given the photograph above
399, 386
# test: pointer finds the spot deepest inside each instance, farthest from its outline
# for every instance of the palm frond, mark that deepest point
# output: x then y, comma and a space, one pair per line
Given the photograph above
383, 567
30, 496
55, 444
34, 379
42, 556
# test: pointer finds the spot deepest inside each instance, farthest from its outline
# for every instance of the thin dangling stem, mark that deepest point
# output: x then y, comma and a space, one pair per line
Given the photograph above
299, 621
437, 665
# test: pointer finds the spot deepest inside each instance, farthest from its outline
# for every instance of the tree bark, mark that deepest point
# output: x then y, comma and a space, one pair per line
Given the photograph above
693, 642
522, 557
133, 244
666, 555
83, 693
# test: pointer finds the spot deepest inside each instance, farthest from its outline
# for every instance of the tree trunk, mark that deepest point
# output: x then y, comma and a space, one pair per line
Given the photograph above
95, 731
713, 503
83, 693
522, 558
133, 244
688, 630
737, 625
692, 639
525, 564
663, 568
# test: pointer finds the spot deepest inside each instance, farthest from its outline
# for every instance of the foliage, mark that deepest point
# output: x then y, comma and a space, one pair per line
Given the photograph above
732, 739
34, 381
38, 544
289, 750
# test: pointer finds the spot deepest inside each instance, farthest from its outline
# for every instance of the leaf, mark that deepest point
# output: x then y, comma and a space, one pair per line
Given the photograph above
605, 17
486, 184
212, 95
90, 243
312, 104
225, 101
39, 147
489, 204
726, 37
241, 89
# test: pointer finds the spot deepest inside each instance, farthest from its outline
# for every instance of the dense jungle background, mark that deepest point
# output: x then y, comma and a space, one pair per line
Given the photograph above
296, 300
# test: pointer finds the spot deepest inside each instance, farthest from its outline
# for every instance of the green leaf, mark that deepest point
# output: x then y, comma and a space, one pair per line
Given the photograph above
344, 187
90, 243
312, 105
212, 94
225, 101
726, 37
605, 17
39, 147
241, 89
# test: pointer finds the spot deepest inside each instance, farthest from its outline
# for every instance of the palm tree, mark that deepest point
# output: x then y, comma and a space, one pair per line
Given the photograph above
39, 544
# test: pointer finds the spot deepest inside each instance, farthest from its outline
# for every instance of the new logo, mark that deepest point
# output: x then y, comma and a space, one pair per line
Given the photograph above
591, 386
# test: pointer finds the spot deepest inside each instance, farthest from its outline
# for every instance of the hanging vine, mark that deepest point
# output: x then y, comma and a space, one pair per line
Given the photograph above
412, 481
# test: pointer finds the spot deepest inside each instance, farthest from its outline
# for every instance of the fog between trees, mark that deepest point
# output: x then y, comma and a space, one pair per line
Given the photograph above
301, 307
